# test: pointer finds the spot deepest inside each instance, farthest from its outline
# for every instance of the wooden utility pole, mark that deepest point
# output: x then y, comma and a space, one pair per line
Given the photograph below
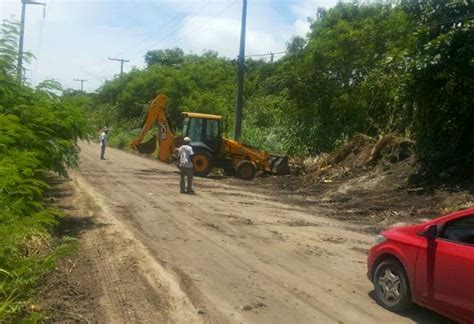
240, 76
22, 35
24, 78
121, 63
82, 83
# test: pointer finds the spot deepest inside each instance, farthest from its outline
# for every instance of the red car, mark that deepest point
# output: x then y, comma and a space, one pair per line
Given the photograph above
430, 264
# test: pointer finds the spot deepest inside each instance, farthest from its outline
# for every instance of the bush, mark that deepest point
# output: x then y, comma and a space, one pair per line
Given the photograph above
38, 135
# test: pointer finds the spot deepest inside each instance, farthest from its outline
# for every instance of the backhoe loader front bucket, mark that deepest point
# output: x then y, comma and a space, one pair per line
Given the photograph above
148, 147
279, 164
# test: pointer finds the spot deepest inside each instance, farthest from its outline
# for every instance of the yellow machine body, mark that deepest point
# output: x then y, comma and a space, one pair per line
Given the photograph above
210, 148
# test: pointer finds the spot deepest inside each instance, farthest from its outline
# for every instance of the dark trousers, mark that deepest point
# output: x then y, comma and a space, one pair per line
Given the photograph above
186, 172
102, 151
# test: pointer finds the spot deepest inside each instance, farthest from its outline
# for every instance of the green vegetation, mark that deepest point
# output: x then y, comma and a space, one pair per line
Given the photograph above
373, 69
38, 134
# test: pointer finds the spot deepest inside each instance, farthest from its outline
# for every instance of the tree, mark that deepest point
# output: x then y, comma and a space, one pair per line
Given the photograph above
443, 83
167, 57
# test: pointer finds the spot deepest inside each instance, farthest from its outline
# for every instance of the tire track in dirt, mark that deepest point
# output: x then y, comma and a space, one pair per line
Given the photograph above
136, 289
238, 261
234, 259
198, 297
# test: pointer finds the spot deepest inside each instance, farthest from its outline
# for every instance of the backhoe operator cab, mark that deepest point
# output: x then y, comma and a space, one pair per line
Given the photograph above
210, 148
206, 141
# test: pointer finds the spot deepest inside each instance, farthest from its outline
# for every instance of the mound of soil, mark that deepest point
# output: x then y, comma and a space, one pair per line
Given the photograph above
361, 153
367, 181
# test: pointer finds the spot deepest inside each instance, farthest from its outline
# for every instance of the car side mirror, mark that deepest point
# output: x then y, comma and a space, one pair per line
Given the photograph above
430, 232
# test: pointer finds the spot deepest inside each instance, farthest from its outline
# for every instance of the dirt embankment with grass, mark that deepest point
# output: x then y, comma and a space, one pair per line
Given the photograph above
372, 182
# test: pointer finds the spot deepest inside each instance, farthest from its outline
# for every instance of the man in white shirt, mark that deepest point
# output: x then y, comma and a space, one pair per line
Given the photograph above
185, 153
103, 142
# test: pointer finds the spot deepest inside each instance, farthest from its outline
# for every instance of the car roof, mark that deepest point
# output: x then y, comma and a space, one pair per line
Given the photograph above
453, 215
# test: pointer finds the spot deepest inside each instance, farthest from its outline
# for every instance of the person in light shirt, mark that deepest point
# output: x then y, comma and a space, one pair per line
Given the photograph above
186, 169
103, 142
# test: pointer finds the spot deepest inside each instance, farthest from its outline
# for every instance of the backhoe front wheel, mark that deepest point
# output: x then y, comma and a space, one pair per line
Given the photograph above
202, 162
245, 170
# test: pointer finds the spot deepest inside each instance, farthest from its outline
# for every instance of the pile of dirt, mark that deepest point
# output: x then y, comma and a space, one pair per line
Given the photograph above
367, 181
360, 153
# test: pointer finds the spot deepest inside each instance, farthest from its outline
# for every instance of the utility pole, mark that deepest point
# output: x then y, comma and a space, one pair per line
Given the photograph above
271, 57
22, 34
121, 63
24, 78
82, 83
240, 76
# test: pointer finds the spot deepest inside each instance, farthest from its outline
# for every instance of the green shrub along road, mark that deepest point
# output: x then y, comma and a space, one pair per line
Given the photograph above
38, 135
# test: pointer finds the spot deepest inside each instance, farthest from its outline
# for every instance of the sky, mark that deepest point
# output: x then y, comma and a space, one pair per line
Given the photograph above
75, 39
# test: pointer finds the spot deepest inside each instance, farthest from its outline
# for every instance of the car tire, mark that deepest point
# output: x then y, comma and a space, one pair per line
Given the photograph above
392, 289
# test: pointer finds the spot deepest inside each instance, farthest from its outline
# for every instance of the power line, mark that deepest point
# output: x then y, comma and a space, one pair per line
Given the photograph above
95, 76
194, 30
455, 19
150, 36
205, 24
167, 35
170, 33
181, 25
266, 54
271, 54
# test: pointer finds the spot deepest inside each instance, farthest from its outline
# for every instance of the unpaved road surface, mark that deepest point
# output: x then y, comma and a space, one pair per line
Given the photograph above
228, 254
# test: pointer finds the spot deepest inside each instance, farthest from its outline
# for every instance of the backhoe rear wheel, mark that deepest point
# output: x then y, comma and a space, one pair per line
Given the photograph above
202, 162
245, 170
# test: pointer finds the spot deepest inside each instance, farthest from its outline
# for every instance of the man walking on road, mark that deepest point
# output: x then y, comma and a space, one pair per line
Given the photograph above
185, 153
103, 142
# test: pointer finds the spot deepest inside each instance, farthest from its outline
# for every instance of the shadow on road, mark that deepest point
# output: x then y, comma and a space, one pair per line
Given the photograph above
421, 315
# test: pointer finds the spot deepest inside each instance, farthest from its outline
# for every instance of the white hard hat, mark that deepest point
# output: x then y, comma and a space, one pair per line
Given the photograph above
187, 140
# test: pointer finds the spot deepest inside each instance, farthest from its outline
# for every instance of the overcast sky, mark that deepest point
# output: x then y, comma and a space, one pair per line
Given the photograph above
75, 38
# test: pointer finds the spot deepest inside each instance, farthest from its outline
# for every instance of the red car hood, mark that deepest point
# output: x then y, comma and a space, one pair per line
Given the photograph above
410, 229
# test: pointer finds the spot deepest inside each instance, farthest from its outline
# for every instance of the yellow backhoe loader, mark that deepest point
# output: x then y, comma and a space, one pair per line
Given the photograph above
210, 148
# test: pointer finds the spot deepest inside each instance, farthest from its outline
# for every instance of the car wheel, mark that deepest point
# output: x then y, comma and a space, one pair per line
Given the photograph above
391, 286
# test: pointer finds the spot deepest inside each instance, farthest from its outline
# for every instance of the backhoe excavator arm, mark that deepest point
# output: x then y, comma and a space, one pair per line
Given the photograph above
156, 114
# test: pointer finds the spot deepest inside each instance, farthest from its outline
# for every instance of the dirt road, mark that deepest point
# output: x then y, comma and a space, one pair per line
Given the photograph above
227, 254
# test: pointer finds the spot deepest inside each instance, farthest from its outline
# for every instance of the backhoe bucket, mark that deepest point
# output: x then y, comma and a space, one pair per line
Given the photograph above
279, 165
148, 147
